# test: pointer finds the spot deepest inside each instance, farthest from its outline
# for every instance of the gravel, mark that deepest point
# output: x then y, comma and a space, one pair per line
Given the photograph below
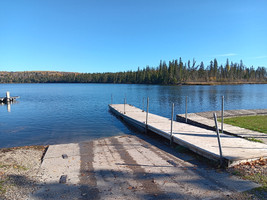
18, 171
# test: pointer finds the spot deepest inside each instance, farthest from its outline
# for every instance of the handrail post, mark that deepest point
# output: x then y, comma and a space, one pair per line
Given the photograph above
171, 137
186, 109
218, 137
222, 113
147, 114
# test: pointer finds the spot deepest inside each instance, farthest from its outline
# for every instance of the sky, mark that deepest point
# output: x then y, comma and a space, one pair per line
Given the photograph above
121, 35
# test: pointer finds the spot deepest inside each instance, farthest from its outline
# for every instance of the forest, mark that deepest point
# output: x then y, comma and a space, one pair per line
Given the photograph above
174, 72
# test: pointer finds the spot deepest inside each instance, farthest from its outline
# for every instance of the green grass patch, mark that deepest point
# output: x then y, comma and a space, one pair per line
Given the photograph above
2, 188
236, 173
255, 123
259, 192
255, 140
19, 167
258, 177
3, 166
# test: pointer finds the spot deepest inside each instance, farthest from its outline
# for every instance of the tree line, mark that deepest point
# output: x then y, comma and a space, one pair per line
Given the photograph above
172, 73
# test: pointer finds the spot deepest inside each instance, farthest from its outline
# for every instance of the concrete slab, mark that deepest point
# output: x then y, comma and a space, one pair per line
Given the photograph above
54, 166
56, 151
131, 167
199, 140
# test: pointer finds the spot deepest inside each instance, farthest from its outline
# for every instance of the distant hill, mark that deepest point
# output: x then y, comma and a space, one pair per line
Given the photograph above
176, 72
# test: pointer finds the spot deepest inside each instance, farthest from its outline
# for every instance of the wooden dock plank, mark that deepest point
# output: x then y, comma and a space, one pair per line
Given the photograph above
199, 140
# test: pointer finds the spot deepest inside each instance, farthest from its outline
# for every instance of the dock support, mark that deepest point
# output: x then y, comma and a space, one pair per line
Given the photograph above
218, 137
222, 114
147, 107
186, 109
7, 96
171, 138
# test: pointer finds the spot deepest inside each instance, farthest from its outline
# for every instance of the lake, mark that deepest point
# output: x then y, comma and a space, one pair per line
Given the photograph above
63, 113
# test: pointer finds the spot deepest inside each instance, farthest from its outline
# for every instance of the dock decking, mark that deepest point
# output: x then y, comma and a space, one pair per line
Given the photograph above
199, 140
204, 120
233, 113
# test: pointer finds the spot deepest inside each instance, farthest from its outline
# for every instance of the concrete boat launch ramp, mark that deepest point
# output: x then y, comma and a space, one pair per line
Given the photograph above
203, 142
131, 167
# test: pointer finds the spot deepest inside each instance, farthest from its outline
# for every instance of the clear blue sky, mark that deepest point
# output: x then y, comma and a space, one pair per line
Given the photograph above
120, 35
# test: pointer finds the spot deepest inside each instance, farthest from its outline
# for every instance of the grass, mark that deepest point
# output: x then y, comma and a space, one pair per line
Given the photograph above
254, 171
254, 140
4, 182
2, 187
19, 167
255, 123
258, 177
3, 166
259, 192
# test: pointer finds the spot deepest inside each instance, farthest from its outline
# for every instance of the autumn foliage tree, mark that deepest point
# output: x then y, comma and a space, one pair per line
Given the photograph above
173, 73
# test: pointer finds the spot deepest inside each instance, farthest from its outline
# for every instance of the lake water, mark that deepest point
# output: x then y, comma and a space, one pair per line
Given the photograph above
61, 113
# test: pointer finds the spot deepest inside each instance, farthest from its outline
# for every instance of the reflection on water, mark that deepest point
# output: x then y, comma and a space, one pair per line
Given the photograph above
61, 113
8, 105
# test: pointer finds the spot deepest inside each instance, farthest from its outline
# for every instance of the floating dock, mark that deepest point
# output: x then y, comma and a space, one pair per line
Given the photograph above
199, 140
8, 98
204, 120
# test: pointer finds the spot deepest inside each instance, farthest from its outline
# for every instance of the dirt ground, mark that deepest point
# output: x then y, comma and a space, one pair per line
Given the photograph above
16, 164
255, 171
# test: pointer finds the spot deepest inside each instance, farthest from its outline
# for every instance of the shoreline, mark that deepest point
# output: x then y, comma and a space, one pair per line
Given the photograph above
180, 84
224, 83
